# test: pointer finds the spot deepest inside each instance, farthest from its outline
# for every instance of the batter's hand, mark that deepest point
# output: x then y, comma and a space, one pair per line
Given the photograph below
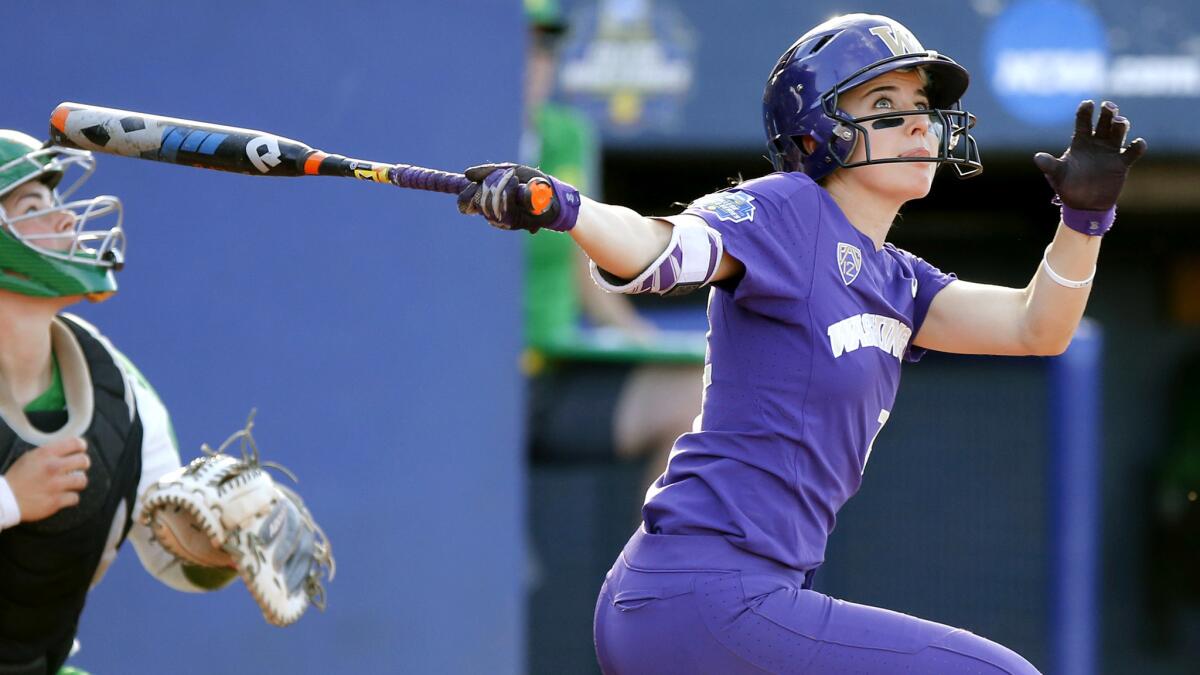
517, 197
49, 478
1090, 174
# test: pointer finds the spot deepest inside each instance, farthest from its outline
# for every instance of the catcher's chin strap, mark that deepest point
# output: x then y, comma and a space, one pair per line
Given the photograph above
252, 461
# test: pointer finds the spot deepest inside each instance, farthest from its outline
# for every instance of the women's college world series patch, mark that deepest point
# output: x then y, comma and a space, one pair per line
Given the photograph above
733, 207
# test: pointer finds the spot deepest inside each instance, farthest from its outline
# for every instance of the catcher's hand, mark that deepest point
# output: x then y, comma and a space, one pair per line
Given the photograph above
1090, 174
223, 511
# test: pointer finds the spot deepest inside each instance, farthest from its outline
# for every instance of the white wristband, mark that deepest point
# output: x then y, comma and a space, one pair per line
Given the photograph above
10, 511
1063, 281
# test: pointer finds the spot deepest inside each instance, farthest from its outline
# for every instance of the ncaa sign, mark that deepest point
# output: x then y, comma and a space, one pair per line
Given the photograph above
1044, 56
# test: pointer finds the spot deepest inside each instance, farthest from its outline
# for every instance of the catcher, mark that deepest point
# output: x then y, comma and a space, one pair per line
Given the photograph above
83, 439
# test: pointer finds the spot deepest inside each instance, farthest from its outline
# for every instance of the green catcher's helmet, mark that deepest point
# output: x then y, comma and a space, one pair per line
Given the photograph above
76, 261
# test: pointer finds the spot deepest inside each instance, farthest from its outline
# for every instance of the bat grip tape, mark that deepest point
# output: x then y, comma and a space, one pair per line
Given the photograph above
418, 178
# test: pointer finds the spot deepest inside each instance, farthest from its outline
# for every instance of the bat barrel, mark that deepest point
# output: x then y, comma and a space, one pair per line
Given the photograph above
420, 178
225, 148
176, 141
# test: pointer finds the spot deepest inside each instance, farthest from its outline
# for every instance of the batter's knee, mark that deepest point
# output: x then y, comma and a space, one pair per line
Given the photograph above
992, 657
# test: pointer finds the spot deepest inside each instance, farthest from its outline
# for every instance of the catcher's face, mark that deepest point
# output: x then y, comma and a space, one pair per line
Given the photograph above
37, 221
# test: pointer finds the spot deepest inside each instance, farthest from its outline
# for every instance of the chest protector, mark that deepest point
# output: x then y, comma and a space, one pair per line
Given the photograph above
47, 566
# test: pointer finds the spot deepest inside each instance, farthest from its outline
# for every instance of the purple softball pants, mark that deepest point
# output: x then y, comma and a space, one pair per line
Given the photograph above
697, 604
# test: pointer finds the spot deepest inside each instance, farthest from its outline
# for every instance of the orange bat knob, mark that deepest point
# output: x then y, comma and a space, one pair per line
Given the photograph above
541, 196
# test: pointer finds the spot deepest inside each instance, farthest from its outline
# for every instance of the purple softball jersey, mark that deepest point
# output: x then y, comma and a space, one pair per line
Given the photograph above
803, 364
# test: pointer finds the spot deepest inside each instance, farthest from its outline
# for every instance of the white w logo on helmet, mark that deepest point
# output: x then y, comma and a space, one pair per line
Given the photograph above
898, 39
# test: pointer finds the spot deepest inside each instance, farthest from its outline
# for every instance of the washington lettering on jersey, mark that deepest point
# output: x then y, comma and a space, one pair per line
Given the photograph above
793, 422
869, 330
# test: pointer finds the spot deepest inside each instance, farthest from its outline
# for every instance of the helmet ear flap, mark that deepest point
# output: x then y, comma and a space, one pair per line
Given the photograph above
806, 143
779, 153
847, 137
787, 153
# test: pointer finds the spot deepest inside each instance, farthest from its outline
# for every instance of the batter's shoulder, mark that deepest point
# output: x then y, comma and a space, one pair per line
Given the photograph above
778, 201
905, 258
779, 186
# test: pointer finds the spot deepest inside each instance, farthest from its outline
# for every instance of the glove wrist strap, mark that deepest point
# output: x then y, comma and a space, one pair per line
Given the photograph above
568, 206
1091, 223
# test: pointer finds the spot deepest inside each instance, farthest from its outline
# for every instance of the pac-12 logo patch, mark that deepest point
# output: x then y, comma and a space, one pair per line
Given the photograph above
849, 262
734, 207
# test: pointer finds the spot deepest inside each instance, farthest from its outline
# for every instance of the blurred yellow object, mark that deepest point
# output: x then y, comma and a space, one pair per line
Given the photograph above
625, 107
532, 362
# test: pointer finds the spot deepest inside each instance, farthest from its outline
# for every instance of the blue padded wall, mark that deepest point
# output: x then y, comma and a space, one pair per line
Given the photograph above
376, 330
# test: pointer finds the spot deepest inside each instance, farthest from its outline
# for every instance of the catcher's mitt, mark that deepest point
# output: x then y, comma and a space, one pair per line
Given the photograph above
222, 511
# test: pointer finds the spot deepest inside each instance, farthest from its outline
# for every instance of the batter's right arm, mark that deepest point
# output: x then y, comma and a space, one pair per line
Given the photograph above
636, 253
618, 239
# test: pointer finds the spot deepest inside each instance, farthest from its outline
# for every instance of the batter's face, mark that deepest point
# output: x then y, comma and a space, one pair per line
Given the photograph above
30, 198
904, 136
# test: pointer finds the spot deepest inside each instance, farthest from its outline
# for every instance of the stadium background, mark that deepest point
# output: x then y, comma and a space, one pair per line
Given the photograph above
377, 332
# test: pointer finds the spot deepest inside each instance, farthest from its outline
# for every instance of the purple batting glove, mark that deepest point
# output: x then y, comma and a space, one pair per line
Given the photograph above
517, 197
1088, 177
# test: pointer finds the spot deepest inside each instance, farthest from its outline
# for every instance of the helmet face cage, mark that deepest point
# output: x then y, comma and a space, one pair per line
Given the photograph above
951, 125
98, 246
802, 94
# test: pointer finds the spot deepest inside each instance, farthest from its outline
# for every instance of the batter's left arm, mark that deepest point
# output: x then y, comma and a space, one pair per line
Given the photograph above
1041, 318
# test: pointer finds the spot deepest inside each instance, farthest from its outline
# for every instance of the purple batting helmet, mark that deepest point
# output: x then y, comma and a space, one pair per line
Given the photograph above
801, 96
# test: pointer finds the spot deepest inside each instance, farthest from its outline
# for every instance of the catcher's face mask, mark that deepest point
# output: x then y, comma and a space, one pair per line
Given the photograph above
49, 246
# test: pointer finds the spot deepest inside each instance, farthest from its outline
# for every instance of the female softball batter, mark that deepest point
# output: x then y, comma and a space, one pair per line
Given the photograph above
811, 314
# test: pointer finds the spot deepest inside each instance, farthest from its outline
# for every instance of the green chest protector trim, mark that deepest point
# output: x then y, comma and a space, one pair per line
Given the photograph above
53, 399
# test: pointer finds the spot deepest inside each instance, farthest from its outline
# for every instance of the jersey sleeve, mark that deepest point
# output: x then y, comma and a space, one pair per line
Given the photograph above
160, 455
767, 224
930, 281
